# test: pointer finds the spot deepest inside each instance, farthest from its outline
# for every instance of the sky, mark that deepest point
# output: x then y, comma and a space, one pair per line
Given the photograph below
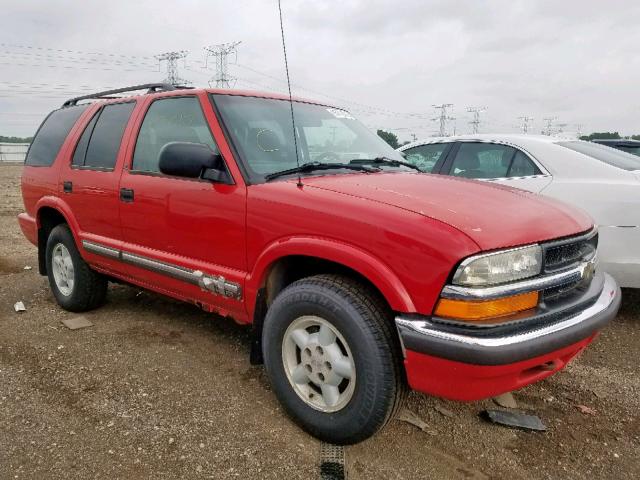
387, 62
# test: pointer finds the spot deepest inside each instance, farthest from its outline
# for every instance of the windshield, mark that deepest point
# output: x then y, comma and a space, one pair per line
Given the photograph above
608, 155
261, 132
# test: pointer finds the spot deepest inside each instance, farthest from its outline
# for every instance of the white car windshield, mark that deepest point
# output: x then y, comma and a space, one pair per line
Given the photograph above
608, 155
261, 131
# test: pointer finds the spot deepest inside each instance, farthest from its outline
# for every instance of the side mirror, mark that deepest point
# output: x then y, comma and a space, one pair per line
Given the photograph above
193, 160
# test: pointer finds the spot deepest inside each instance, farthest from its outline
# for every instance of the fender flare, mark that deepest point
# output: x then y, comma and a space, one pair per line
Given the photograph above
63, 208
355, 258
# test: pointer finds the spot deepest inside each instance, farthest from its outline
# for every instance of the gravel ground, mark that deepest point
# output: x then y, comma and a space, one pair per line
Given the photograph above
158, 389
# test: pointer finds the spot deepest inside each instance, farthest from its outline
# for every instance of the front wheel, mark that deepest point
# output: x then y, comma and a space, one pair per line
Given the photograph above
332, 358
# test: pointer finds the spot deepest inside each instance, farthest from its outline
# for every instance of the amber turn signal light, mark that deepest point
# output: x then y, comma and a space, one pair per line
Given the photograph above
474, 310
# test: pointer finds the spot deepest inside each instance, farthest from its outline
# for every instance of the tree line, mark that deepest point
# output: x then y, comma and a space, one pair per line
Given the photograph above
15, 139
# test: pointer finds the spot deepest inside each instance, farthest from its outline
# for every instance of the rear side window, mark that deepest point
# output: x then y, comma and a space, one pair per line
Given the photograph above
425, 157
522, 166
482, 160
100, 142
51, 135
170, 120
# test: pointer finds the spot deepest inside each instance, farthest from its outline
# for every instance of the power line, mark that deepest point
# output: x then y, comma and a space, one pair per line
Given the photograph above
171, 59
443, 117
221, 53
475, 123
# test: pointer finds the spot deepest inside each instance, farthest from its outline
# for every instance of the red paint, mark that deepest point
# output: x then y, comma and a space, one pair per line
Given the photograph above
404, 232
466, 382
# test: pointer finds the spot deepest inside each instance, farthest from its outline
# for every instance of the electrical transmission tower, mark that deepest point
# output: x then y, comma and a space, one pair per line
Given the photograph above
221, 53
443, 118
548, 130
171, 59
525, 123
475, 123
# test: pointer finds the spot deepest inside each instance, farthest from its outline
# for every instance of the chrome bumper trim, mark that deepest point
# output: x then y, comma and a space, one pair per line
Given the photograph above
574, 274
607, 297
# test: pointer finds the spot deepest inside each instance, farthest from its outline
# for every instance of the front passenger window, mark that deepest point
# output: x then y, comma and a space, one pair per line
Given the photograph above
425, 157
177, 119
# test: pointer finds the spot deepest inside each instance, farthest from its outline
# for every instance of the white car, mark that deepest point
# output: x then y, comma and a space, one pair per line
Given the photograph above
603, 181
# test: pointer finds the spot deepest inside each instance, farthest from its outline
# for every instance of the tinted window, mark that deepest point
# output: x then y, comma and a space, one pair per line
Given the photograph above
51, 135
170, 120
522, 166
482, 160
608, 155
632, 150
81, 148
104, 141
425, 157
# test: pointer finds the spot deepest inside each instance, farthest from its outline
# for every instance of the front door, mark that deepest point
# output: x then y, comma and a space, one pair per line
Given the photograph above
183, 236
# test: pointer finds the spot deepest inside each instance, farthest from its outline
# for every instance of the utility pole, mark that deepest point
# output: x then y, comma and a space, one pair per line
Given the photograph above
579, 128
221, 53
414, 137
443, 118
525, 123
172, 66
475, 123
548, 130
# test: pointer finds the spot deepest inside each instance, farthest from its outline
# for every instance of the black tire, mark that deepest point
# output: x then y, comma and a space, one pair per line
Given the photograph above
365, 322
89, 288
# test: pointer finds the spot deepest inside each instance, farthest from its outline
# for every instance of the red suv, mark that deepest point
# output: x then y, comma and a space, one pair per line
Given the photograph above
358, 274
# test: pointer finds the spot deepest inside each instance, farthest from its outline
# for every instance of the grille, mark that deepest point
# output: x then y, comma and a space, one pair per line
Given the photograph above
569, 252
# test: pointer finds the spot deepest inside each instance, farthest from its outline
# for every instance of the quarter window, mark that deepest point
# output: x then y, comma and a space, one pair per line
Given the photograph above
51, 135
170, 120
490, 160
522, 166
425, 157
100, 142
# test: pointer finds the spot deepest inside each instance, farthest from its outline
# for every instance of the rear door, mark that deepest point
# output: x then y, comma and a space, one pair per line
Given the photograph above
497, 163
176, 230
90, 178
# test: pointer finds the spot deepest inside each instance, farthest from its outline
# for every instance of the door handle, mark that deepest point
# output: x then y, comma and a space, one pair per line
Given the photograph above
126, 195
67, 186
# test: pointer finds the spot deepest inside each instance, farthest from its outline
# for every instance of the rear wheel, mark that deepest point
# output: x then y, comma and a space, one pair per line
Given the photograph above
332, 358
75, 286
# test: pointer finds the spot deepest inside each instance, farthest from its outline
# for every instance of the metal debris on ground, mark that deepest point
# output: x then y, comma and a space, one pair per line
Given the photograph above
514, 420
506, 400
408, 416
27, 267
332, 462
19, 307
77, 322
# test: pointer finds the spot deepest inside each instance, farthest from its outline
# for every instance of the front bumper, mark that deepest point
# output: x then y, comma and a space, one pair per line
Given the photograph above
475, 364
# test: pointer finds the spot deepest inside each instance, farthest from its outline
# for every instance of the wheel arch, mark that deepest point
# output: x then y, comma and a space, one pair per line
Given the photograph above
51, 212
292, 259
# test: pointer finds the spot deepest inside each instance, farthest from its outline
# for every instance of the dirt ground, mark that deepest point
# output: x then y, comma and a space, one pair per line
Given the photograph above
158, 389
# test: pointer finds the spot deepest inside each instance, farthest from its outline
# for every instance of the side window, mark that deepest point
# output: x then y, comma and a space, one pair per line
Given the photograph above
100, 142
81, 148
482, 160
522, 166
168, 120
425, 157
51, 135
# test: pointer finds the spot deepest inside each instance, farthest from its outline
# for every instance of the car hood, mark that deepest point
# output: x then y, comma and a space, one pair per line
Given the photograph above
493, 216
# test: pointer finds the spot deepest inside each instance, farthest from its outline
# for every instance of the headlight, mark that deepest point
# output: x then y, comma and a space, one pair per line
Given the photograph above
499, 267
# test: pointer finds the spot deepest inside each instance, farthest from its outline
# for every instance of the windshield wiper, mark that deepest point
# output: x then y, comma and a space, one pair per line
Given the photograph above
383, 161
313, 166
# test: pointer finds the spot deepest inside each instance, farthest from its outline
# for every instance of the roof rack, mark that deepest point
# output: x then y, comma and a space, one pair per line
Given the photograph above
150, 87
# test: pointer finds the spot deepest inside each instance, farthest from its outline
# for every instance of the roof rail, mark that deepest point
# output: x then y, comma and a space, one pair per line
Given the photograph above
151, 88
